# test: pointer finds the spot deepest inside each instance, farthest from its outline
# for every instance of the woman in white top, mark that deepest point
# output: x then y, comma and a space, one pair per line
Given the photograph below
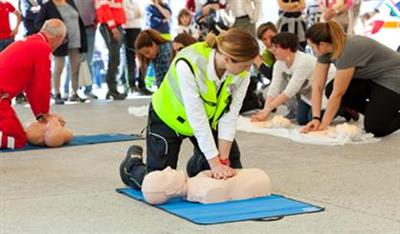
292, 75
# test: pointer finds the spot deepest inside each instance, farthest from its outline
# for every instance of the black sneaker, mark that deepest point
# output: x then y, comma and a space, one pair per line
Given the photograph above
145, 92
75, 98
134, 151
91, 96
132, 160
58, 100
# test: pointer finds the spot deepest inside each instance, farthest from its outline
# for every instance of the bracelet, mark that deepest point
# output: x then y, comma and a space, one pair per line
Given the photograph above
317, 118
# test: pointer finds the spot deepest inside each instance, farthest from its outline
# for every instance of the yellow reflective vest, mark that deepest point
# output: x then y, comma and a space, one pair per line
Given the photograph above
167, 101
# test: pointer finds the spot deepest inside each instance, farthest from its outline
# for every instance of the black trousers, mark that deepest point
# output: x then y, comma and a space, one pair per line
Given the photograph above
130, 38
379, 105
163, 146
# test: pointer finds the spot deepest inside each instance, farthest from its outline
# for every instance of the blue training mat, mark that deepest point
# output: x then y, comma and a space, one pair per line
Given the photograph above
264, 208
85, 140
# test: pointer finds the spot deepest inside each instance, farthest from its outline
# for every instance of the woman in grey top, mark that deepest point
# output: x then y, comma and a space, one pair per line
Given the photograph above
367, 79
74, 44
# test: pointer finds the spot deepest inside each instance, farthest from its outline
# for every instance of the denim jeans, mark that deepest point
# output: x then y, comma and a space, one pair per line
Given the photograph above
5, 42
304, 112
113, 47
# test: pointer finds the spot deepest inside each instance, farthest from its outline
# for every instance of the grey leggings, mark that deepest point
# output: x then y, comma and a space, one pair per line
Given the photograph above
58, 67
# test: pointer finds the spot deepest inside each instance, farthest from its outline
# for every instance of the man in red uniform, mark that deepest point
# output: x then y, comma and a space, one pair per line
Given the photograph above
25, 66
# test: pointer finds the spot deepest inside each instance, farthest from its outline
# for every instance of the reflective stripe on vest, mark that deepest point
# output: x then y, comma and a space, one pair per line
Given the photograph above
167, 101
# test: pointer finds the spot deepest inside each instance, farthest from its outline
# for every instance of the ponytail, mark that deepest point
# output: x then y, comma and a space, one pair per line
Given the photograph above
337, 36
329, 32
236, 42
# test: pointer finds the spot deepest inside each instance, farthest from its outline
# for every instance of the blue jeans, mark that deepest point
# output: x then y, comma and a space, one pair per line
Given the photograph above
5, 42
113, 47
90, 36
304, 112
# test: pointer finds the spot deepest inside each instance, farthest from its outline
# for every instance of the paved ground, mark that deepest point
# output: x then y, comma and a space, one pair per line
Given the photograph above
72, 190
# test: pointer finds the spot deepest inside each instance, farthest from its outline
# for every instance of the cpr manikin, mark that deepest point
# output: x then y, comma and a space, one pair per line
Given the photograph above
160, 186
278, 121
51, 133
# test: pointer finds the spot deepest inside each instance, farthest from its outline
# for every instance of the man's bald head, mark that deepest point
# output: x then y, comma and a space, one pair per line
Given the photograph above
55, 31
54, 27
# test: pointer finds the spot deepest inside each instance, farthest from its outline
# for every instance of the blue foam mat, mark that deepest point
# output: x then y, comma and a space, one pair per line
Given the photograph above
85, 140
263, 208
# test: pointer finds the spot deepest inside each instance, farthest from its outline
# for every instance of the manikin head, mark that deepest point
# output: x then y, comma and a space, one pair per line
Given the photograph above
160, 186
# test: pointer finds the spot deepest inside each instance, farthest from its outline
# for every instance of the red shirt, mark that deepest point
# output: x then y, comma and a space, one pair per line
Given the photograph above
25, 66
5, 9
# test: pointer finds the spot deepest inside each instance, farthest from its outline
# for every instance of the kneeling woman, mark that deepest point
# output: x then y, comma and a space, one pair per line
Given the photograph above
199, 99
367, 79
292, 75
151, 47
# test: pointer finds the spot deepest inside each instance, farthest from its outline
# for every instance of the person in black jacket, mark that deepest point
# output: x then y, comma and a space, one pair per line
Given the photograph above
74, 44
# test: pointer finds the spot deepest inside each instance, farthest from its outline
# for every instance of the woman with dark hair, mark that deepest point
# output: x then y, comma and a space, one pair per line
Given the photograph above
292, 76
367, 79
151, 47
199, 99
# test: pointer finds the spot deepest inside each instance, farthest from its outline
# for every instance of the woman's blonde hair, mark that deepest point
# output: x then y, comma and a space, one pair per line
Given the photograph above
329, 32
239, 44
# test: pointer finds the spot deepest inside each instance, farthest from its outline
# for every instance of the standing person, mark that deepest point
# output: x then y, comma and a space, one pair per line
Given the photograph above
185, 24
30, 74
75, 44
293, 75
367, 79
187, 105
158, 16
29, 10
151, 47
87, 12
132, 28
6, 34
246, 13
111, 16
291, 20
337, 10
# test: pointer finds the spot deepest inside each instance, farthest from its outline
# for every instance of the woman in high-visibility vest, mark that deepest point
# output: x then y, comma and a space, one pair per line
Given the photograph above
199, 98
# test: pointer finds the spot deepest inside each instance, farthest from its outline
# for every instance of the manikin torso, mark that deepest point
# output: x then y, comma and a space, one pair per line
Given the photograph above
160, 186
51, 134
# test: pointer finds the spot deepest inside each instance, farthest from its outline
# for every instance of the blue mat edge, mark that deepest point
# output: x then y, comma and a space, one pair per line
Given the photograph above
33, 147
273, 218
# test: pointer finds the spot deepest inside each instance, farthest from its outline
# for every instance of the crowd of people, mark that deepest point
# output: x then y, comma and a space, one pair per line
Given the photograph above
204, 69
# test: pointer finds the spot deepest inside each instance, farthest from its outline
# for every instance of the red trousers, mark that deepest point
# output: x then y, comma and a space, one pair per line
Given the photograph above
12, 134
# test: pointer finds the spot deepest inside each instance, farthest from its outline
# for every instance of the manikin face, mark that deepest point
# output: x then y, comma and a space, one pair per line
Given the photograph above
280, 53
149, 52
159, 186
266, 38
